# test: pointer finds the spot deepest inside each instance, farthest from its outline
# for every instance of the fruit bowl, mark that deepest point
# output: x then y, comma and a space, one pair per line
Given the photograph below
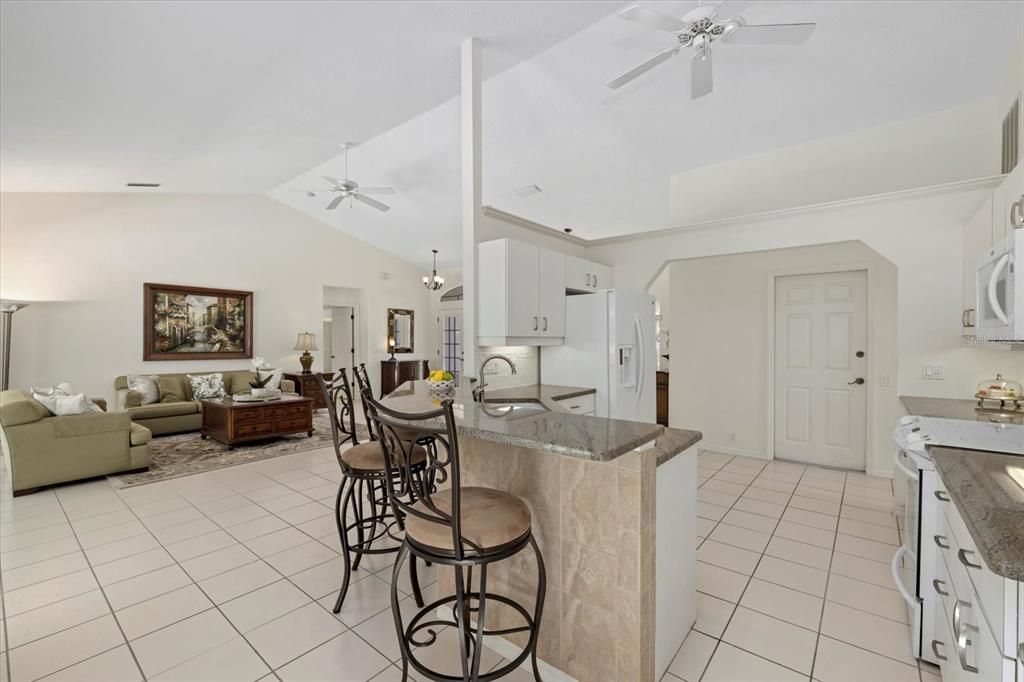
441, 382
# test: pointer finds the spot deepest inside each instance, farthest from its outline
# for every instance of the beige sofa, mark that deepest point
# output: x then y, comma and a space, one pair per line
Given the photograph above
46, 450
178, 411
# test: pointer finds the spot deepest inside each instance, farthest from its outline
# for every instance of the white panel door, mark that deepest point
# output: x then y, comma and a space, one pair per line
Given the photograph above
820, 327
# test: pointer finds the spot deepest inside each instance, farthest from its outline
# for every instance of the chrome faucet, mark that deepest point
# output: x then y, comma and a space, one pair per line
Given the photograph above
478, 391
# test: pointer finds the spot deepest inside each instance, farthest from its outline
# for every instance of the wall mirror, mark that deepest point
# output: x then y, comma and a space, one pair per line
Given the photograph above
400, 330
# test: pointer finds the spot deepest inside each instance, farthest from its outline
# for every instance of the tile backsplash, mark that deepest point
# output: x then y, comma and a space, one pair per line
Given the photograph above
527, 359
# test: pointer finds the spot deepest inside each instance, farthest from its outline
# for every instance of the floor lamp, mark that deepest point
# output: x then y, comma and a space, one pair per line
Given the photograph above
7, 310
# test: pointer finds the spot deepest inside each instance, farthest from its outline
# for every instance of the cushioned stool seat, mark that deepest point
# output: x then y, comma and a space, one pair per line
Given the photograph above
490, 519
369, 456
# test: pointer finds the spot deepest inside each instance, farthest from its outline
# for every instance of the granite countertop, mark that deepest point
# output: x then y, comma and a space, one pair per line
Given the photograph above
951, 408
988, 490
556, 430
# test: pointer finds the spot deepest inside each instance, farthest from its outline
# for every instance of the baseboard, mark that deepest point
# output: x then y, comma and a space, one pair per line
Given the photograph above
726, 450
881, 473
509, 651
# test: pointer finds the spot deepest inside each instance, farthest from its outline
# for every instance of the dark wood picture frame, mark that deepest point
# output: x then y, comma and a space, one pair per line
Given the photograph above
150, 352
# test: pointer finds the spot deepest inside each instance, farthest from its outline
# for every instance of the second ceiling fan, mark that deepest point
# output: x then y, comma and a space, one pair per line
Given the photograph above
698, 29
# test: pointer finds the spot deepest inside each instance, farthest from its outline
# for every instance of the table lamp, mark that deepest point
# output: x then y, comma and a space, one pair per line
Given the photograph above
306, 342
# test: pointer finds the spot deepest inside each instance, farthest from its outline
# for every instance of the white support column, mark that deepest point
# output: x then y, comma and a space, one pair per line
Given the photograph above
472, 197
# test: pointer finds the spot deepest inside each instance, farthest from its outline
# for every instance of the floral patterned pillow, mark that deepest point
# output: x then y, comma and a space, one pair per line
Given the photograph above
207, 386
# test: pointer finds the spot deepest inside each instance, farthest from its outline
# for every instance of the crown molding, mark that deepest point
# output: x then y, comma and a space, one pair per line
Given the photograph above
988, 182
539, 228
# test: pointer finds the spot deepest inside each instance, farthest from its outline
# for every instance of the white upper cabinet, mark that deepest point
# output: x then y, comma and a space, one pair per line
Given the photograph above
977, 241
1008, 212
521, 298
582, 276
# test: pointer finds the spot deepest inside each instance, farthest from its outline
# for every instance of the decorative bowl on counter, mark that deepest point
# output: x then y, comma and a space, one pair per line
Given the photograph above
442, 382
1001, 390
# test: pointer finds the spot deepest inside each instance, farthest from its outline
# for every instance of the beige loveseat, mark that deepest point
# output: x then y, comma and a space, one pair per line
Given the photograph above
178, 411
45, 450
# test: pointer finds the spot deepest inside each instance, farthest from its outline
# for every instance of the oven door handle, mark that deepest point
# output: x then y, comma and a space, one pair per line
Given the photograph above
911, 600
912, 475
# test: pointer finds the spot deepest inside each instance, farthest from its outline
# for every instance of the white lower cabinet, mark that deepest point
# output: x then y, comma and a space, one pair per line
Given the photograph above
977, 628
584, 404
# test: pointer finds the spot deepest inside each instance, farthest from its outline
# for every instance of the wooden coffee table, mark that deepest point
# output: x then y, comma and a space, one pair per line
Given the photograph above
232, 422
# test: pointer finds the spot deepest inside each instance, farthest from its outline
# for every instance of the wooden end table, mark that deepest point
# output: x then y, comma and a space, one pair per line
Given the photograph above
307, 385
231, 422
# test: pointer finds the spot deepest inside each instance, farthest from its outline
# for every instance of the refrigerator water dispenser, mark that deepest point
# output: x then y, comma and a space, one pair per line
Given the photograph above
627, 366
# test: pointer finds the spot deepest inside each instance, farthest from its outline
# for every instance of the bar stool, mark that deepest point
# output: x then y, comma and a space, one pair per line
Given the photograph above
364, 483
464, 528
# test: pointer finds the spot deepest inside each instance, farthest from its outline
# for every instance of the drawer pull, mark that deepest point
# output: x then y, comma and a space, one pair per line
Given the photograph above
940, 541
574, 407
935, 583
941, 496
961, 554
935, 650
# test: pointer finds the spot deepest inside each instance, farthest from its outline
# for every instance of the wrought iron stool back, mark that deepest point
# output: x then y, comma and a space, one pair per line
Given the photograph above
414, 495
340, 408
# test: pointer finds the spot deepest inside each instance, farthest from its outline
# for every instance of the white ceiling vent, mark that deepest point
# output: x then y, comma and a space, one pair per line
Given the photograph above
527, 191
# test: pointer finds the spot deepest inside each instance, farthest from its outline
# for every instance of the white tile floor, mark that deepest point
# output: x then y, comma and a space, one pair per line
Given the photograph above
230, 575
793, 577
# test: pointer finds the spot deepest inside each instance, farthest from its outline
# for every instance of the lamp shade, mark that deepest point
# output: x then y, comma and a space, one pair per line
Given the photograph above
306, 341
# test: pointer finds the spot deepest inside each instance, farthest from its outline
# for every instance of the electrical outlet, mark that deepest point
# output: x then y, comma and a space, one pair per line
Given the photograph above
732, 437
883, 380
933, 372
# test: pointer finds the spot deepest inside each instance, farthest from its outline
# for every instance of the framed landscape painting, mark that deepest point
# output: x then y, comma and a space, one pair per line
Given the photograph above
196, 323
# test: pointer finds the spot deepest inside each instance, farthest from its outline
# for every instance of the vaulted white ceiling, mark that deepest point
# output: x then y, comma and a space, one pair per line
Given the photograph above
234, 95
604, 158
210, 97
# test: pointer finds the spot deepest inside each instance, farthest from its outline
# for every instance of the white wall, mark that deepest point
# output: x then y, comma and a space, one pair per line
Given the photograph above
937, 148
919, 232
721, 359
82, 260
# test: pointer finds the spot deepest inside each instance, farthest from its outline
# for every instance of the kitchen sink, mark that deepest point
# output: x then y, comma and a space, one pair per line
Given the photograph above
503, 410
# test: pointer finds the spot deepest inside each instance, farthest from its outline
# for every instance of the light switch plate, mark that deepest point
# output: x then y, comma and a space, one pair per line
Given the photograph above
936, 372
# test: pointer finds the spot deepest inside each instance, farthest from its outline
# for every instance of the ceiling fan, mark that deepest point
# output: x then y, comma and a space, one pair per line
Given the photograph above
350, 189
698, 29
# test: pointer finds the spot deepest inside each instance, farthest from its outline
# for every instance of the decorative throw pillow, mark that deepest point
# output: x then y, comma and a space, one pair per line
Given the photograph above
145, 386
207, 386
62, 402
171, 389
275, 377
63, 388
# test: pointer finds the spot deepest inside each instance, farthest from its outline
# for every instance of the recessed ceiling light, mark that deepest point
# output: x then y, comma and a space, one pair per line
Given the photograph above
142, 184
528, 190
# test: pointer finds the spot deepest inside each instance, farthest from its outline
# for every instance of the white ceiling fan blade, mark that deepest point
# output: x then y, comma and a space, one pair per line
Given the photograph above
371, 202
333, 181
771, 34
376, 190
731, 8
335, 201
652, 19
700, 74
642, 68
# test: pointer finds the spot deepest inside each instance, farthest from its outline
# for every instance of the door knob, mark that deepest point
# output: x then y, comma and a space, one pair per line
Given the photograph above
859, 381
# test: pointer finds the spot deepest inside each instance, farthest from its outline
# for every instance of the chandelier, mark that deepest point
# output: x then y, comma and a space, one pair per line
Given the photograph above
432, 281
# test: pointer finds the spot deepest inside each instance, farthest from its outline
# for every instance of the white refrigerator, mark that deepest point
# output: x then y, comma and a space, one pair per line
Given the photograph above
609, 346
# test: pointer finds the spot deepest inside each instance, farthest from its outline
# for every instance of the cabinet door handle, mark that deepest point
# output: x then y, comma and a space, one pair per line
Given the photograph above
545, 318
1017, 208
961, 554
935, 583
595, 281
962, 641
588, 279
534, 323
965, 318
941, 496
939, 541
935, 650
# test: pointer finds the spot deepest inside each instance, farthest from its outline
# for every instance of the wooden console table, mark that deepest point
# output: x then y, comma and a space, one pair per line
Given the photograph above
232, 422
306, 385
394, 373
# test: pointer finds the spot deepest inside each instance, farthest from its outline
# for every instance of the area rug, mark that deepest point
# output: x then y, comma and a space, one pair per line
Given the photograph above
186, 454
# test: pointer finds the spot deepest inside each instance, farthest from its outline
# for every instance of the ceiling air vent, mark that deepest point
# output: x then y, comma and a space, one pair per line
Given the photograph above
142, 184
527, 191
1011, 138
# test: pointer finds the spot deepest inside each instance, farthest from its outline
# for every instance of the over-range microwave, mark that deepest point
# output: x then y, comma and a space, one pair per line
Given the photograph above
1000, 304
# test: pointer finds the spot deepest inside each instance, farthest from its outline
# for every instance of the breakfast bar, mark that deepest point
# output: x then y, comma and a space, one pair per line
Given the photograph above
613, 510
